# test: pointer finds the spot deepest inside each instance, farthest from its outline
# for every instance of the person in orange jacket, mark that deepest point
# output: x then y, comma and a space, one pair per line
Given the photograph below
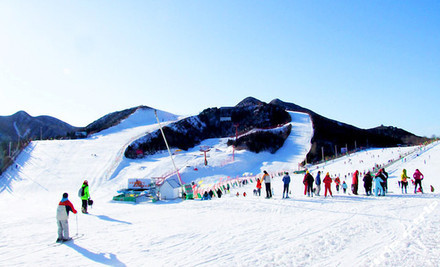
328, 182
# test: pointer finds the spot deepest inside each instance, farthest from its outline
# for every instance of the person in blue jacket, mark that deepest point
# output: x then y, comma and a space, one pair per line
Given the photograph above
318, 183
378, 180
206, 196
286, 181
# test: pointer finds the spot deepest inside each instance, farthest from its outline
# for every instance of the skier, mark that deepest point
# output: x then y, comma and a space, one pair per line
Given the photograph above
64, 207
259, 186
266, 178
327, 182
404, 181
378, 181
368, 183
418, 177
318, 183
355, 182
85, 196
286, 181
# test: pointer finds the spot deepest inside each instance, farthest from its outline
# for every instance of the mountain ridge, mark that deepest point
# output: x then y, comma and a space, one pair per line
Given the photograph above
330, 136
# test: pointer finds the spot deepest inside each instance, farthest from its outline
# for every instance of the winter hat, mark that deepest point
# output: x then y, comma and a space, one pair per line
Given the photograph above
86, 182
65, 195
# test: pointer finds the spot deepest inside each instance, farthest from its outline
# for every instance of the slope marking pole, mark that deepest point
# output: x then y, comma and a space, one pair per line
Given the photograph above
168, 148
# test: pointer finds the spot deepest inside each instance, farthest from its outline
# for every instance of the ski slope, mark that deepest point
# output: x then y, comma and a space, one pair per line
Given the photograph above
345, 230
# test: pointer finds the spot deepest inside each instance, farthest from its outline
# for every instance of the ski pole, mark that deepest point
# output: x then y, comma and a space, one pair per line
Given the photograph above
76, 215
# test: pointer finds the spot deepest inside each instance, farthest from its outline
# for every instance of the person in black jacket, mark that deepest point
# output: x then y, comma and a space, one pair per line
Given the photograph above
368, 183
385, 181
310, 181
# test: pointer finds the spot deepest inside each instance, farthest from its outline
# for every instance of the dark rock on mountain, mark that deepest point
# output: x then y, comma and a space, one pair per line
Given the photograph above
214, 123
259, 141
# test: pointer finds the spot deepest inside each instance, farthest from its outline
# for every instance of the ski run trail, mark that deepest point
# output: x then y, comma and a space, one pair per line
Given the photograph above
343, 230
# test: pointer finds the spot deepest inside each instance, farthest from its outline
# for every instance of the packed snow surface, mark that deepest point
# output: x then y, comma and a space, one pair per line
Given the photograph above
343, 230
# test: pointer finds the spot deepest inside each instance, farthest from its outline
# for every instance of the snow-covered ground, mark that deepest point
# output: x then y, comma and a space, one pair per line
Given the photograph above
346, 230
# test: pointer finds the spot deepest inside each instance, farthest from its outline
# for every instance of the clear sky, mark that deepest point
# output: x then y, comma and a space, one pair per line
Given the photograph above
365, 63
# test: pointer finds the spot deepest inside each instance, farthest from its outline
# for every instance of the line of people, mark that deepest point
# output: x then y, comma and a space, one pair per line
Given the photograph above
377, 184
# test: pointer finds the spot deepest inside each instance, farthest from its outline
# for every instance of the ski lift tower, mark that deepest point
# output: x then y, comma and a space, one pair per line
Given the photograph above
205, 149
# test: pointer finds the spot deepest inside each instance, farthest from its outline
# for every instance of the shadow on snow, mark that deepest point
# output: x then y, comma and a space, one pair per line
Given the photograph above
104, 258
107, 218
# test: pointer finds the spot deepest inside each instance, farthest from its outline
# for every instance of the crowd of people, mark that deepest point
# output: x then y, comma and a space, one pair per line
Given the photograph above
376, 184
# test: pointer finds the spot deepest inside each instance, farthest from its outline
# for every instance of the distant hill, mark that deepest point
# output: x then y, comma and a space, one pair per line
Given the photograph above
22, 126
333, 135
17, 129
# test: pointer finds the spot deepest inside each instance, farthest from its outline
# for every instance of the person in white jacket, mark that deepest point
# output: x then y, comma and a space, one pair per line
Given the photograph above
266, 178
64, 207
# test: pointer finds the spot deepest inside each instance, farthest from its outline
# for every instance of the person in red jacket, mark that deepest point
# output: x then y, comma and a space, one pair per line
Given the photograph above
63, 210
327, 182
337, 182
259, 187
355, 182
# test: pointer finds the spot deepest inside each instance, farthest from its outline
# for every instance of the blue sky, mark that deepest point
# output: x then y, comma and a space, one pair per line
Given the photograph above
365, 63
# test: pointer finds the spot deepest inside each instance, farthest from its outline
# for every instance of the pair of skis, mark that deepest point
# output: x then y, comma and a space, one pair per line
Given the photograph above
75, 237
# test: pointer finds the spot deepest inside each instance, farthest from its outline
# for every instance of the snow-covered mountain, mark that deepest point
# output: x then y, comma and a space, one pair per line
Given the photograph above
329, 135
343, 230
